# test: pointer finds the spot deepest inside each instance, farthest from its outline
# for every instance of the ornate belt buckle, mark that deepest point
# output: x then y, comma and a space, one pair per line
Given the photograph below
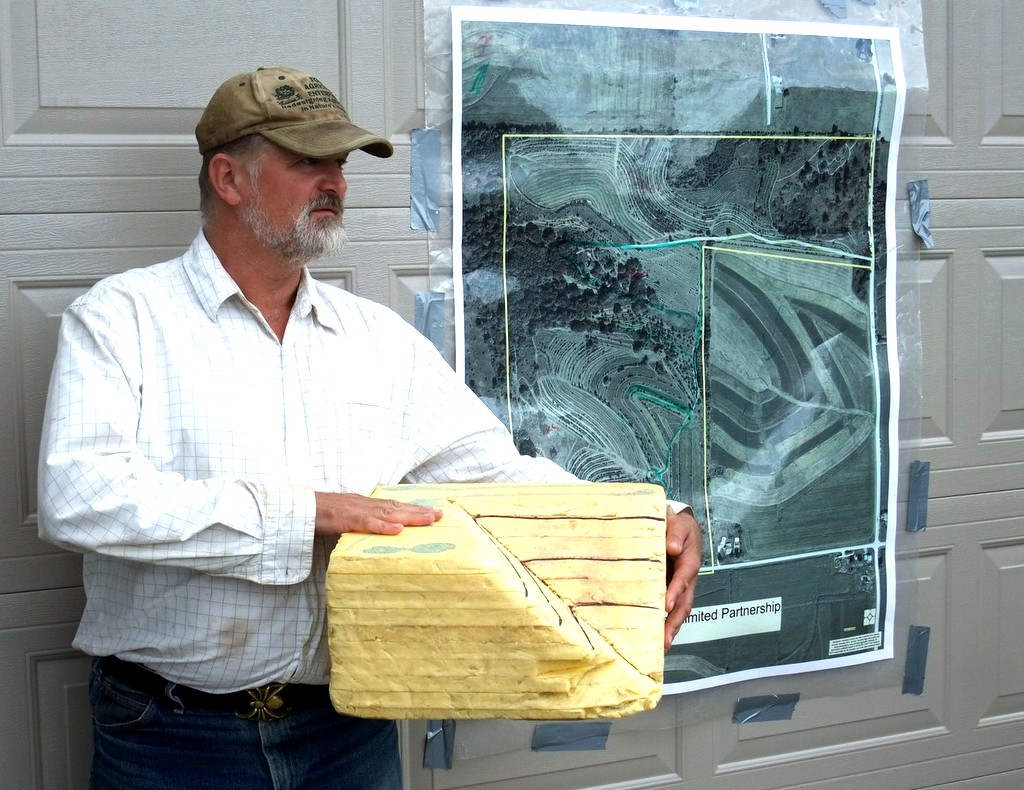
265, 703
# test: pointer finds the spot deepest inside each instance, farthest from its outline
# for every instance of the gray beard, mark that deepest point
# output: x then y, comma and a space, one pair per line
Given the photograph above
306, 240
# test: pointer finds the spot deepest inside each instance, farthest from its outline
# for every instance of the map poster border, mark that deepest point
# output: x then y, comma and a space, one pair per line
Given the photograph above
852, 622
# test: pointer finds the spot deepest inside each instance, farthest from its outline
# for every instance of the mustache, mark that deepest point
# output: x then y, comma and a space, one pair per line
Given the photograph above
325, 201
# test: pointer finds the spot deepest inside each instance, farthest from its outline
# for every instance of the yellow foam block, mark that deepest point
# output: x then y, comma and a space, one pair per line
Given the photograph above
539, 601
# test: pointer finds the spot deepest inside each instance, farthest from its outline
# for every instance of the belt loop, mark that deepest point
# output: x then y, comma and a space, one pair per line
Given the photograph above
179, 706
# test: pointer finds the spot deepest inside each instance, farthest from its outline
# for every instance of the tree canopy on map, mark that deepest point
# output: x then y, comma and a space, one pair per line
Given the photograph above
673, 270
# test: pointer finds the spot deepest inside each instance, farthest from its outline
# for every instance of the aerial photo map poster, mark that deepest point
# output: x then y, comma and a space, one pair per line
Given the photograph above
672, 266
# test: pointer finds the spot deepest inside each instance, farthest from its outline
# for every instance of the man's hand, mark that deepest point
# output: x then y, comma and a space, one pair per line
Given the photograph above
338, 513
682, 548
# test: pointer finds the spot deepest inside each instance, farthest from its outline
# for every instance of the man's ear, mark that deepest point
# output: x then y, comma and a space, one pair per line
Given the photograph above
229, 178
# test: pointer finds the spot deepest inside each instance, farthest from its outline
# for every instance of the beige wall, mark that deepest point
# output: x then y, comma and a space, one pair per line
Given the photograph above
97, 169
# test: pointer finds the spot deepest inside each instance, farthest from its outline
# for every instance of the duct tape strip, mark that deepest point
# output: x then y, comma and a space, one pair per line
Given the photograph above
835, 7
917, 658
577, 736
921, 211
430, 317
773, 707
440, 744
424, 178
917, 496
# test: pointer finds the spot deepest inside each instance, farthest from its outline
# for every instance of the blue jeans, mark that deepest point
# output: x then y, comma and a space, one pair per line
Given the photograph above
143, 742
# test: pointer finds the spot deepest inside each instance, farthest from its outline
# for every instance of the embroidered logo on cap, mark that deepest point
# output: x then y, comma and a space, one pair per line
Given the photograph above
318, 97
285, 95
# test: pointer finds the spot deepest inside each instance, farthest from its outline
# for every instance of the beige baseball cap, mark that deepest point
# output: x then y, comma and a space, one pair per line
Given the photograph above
290, 108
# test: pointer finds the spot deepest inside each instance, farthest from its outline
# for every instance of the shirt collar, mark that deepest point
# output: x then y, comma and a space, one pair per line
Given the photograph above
311, 300
214, 285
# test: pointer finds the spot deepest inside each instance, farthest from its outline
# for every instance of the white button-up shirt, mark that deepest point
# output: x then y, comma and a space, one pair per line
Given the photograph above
183, 443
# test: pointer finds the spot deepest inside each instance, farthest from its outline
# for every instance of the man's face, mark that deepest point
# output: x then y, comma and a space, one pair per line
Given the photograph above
296, 204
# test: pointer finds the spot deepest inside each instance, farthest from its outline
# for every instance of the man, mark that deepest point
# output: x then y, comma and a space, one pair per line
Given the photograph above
214, 422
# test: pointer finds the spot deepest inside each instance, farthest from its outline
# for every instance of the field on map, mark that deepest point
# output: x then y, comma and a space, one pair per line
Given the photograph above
672, 276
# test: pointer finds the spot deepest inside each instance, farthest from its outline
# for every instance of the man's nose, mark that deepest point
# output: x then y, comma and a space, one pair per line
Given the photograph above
333, 181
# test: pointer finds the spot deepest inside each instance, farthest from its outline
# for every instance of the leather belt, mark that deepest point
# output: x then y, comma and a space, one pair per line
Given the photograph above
271, 701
